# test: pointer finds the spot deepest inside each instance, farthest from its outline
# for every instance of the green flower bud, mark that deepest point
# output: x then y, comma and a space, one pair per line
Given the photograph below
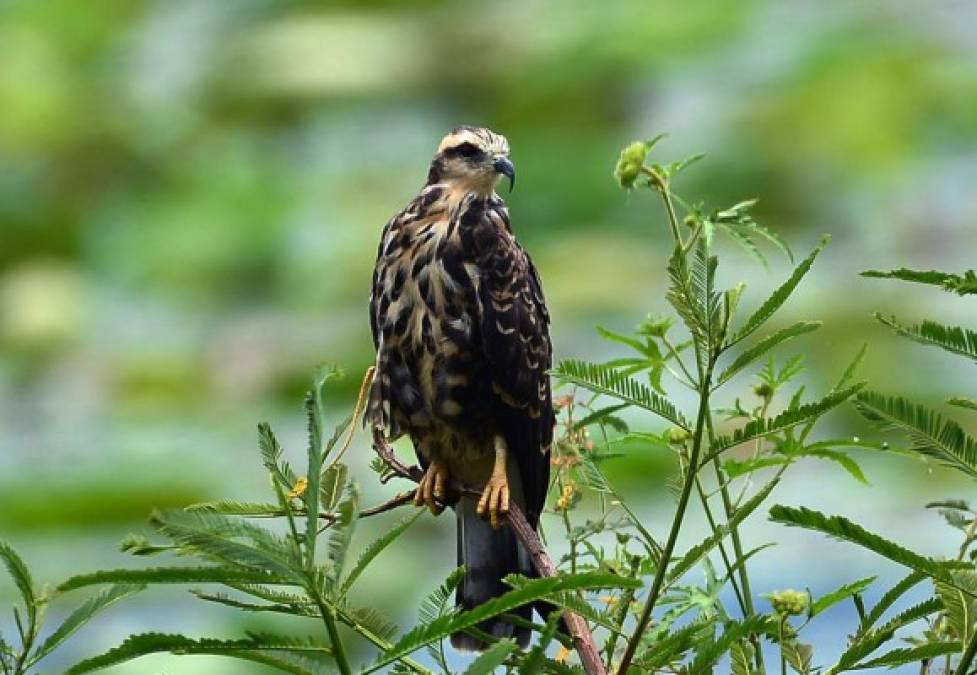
789, 602
677, 436
763, 390
629, 165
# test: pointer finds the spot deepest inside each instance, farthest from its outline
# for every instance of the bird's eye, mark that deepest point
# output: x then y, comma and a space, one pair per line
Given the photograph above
468, 150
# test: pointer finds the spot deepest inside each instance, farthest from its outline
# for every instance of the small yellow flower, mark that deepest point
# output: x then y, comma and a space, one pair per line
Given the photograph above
562, 504
562, 654
609, 600
301, 485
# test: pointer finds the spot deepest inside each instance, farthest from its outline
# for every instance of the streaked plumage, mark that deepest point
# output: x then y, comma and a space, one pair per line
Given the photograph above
461, 331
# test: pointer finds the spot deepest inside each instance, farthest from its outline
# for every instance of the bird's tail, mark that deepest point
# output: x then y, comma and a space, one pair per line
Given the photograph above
488, 555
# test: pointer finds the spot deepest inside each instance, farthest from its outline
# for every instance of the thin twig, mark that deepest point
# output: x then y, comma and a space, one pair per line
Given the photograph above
357, 410
580, 633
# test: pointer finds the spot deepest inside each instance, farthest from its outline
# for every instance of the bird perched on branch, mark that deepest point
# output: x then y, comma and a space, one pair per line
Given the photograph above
461, 331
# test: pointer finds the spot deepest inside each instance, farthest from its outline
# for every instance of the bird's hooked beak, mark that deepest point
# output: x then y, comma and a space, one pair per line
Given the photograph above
503, 166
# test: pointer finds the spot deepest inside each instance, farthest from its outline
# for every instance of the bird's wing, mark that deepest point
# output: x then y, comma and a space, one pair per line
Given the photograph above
514, 326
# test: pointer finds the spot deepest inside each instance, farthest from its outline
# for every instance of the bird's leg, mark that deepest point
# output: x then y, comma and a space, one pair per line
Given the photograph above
431, 490
495, 495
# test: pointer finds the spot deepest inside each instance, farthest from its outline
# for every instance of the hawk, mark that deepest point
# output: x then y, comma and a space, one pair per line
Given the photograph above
461, 332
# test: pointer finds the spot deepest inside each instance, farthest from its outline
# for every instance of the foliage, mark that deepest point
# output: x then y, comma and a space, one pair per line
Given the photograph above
24, 655
651, 606
933, 436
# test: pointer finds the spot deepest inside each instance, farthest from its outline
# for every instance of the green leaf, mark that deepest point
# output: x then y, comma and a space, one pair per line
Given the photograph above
692, 293
902, 656
371, 620
173, 575
533, 662
670, 648
219, 538
711, 651
491, 658
960, 607
890, 597
700, 550
961, 284
960, 402
834, 597
376, 547
530, 591
341, 533
603, 415
741, 656
777, 299
436, 605
759, 428
954, 339
735, 468
234, 508
844, 529
839, 458
331, 486
931, 434
292, 655
82, 615
798, 655
765, 345
911, 614
22, 578
601, 379
271, 457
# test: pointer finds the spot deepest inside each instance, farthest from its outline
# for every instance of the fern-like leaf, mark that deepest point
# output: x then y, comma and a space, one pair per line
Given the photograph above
711, 651
844, 529
700, 550
961, 284
842, 592
375, 548
341, 534
21, 575
759, 428
271, 456
491, 658
904, 655
765, 345
174, 575
890, 597
605, 380
300, 656
82, 615
777, 298
954, 339
931, 434
222, 539
532, 590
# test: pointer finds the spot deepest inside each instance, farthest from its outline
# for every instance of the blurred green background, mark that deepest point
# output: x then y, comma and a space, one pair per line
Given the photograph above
191, 192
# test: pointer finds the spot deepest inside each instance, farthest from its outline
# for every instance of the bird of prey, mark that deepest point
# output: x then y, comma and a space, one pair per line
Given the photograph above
462, 342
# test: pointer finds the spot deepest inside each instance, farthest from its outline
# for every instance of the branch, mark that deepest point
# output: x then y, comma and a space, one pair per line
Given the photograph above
583, 640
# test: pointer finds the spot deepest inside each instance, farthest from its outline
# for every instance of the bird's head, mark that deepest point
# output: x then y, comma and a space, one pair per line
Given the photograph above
474, 159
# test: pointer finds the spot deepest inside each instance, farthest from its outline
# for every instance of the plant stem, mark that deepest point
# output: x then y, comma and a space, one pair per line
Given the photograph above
968, 656
661, 184
734, 534
658, 583
722, 549
377, 640
338, 649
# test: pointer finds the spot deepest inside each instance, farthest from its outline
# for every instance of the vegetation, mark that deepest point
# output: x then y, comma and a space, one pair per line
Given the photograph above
652, 605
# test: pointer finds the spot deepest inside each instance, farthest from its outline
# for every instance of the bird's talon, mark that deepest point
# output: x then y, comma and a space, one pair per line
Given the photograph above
431, 488
494, 501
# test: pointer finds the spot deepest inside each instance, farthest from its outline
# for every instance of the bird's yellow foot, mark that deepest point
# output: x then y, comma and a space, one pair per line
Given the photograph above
432, 489
495, 495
